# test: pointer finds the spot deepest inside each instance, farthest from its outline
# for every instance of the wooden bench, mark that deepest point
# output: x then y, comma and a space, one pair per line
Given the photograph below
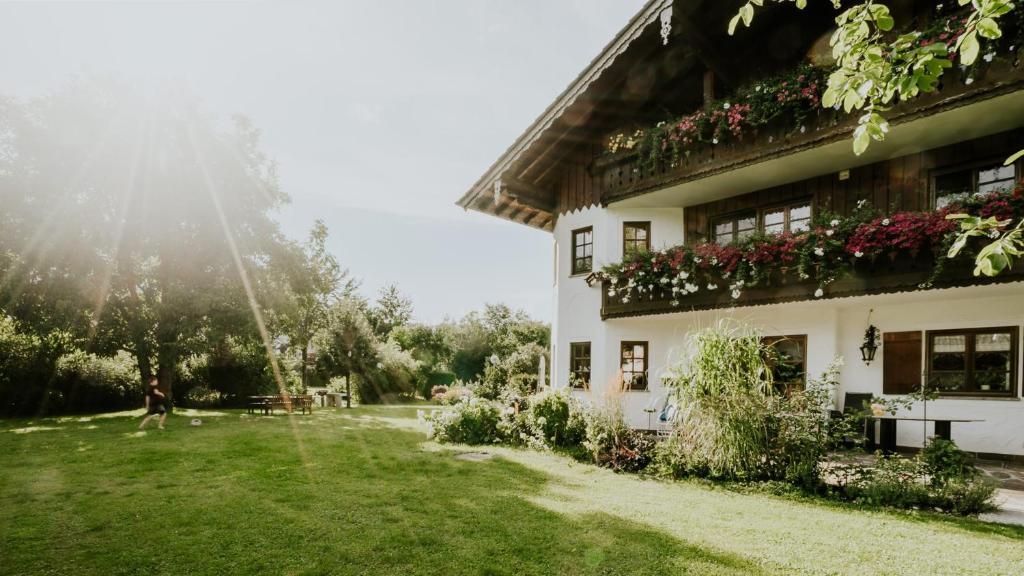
266, 404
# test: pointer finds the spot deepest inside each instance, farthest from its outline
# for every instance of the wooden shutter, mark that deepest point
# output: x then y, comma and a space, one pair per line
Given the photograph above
901, 362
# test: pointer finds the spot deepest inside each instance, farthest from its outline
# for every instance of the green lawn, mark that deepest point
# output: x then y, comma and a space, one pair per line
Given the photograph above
363, 492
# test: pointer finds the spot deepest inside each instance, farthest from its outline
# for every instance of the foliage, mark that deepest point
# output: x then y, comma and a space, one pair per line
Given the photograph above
556, 419
874, 69
945, 462
201, 397
912, 483
612, 443
829, 250
454, 394
392, 310
471, 421
90, 383
140, 255
512, 376
731, 422
792, 95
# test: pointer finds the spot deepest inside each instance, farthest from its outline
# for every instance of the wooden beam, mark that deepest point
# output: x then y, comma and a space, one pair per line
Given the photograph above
528, 194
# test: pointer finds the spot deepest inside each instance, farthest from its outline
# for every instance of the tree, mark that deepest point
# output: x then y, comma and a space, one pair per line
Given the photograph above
313, 281
874, 70
391, 311
153, 221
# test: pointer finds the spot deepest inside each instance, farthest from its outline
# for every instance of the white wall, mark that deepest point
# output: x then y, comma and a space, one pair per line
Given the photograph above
833, 327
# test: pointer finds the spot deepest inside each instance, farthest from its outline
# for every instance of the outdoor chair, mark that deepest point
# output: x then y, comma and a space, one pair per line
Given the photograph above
854, 402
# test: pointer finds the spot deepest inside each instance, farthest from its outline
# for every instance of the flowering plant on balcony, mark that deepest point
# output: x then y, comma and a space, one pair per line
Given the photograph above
795, 93
827, 251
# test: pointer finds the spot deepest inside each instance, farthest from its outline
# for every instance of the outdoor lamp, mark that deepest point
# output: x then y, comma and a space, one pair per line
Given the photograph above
870, 345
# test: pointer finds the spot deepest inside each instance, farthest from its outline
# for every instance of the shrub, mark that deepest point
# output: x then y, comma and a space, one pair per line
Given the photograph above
454, 395
556, 419
945, 462
438, 391
732, 422
92, 383
472, 421
612, 444
911, 483
202, 397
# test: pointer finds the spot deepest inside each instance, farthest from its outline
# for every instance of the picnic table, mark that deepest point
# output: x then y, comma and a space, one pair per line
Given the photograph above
887, 429
266, 404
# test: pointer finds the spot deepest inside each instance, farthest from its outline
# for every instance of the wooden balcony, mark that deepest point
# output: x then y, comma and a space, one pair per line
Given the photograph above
883, 276
621, 176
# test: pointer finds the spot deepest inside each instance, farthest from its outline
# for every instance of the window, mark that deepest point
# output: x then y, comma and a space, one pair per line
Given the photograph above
977, 362
636, 237
582, 250
733, 228
633, 360
579, 364
789, 363
960, 184
790, 218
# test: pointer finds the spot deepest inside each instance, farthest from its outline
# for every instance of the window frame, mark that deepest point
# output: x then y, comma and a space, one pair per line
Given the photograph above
575, 266
644, 225
787, 208
630, 344
575, 367
971, 389
802, 340
974, 167
734, 218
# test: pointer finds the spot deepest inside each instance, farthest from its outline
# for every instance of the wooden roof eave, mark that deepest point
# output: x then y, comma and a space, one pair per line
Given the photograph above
646, 16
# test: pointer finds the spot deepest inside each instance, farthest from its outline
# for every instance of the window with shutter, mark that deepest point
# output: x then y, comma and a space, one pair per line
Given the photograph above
901, 362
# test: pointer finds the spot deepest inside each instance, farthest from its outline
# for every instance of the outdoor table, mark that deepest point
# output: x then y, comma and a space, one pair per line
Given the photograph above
887, 429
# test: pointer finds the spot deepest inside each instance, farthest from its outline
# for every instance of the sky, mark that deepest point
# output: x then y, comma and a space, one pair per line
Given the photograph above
379, 114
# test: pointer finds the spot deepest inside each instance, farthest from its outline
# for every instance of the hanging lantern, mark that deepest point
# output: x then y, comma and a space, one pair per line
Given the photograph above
870, 345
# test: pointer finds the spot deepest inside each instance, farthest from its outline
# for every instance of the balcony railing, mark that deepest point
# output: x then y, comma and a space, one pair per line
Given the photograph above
905, 273
622, 175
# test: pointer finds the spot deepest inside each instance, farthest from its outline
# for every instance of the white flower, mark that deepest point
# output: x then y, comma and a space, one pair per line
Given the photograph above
819, 293
675, 290
858, 254
650, 286
615, 280
885, 222
969, 81
611, 292
640, 273
675, 302
988, 57
691, 287
735, 294
993, 234
712, 286
714, 261
758, 87
803, 129
819, 251
696, 260
726, 106
631, 283
684, 275
861, 203
625, 299
804, 276
829, 232
664, 280
834, 223
714, 140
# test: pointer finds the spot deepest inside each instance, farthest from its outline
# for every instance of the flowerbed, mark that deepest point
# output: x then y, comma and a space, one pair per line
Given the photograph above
826, 252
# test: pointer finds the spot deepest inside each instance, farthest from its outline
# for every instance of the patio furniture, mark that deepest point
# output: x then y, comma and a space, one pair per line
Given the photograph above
887, 429
289, 402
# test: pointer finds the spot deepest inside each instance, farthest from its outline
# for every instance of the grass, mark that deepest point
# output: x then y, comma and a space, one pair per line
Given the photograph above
363, 492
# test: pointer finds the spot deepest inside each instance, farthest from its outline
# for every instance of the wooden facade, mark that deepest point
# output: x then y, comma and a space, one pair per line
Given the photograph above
902, 183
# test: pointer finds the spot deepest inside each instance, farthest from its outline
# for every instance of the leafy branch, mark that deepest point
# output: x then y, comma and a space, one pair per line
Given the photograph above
873, 71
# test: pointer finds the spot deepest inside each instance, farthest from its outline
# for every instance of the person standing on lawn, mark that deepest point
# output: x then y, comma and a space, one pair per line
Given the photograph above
154, 404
